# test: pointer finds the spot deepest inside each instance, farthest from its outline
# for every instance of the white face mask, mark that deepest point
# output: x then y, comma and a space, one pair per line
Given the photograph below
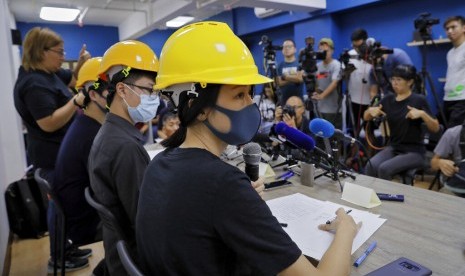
146, 110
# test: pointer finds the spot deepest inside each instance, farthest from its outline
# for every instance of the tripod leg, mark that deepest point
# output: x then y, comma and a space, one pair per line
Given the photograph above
436, 99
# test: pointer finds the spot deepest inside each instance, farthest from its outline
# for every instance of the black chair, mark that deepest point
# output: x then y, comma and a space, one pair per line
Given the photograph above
430, 140
110, 221
59, 223
126, 259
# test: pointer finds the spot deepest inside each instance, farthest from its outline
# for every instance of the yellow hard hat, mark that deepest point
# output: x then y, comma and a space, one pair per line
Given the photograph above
129, 53
89, 71
206, 52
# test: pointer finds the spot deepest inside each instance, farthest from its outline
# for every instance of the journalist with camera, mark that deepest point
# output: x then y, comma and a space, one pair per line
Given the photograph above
293, 114
358, 77
384, 60
289, 76
327, 77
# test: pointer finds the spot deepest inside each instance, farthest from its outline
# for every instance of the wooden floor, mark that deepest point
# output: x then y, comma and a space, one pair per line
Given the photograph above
30, 257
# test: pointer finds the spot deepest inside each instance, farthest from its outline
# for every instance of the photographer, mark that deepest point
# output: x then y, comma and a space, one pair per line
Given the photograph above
327, 78
359, 79
404, 112
454, 89
293, 114
383, 66
289, 77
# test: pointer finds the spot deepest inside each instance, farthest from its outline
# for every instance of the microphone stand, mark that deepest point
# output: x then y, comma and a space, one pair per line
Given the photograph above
335, 168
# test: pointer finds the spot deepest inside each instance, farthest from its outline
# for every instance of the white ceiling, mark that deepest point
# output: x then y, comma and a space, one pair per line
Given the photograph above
137, 17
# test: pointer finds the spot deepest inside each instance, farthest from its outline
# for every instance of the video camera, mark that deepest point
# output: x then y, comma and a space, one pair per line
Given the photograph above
377, 51
308, 57
344, 58
269, 54
287, 109
307, 62
423, 23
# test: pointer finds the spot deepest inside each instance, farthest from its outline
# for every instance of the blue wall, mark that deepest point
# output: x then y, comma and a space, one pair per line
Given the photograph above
97, 38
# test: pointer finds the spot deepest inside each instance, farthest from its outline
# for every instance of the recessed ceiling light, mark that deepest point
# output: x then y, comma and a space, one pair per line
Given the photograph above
179, 21
58, 14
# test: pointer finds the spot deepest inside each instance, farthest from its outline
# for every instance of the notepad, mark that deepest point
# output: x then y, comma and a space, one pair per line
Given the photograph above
303, 214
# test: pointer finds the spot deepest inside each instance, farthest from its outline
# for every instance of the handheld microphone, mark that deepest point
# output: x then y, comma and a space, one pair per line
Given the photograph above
338, 134
321, 127
252, 153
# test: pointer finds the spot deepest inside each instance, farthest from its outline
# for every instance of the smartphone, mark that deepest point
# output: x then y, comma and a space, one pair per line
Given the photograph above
401, 266
277, 184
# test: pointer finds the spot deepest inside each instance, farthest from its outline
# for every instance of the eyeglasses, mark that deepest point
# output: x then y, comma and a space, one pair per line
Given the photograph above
59, 52
147, 90
296, 106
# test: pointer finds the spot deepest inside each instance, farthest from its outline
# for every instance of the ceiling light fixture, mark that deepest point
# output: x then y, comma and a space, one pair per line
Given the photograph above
179, 21
58, 14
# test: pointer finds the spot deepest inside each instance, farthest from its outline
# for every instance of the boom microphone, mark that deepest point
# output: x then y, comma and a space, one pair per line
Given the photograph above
321, 127
252, 153
295, 136
370, 41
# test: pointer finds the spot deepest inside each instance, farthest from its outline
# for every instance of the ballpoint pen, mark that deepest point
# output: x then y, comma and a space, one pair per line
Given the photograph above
360, 259
286, 174
331, 220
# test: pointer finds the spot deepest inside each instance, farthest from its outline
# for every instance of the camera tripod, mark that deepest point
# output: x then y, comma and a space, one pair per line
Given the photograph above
425, 75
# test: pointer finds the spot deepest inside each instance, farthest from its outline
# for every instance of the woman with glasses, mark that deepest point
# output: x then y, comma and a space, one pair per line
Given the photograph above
45, 104
404, 112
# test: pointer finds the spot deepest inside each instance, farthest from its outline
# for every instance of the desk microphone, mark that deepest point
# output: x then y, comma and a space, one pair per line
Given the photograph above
325, 129
252, 154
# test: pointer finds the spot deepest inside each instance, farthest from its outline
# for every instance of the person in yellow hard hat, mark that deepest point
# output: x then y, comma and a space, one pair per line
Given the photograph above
117, 159
71, 177
198, 215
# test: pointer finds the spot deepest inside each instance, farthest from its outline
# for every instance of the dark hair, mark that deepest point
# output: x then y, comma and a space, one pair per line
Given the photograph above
165, 114
291, 40
188, 112
405, 71
359, 34
274, 96
459, 18
134, 75
98, 86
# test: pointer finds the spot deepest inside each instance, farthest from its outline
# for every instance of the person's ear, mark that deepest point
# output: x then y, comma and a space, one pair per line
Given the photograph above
120, 89
92, 95
203, 115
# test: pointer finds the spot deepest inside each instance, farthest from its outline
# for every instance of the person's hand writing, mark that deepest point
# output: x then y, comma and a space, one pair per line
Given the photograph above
259, 186
413, 113
448, 167
342, 221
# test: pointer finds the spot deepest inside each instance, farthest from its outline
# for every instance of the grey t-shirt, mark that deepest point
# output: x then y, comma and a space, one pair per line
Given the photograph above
325, 75
448, 146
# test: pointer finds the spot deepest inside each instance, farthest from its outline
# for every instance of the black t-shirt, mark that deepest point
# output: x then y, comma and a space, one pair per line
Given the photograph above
38, 94
198, 215
71, 178
406, 134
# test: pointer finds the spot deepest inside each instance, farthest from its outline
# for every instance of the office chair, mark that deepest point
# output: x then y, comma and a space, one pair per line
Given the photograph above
110, 221
59, 216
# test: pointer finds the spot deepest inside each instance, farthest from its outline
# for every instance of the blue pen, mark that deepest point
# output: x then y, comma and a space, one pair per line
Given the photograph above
286, 174
289, 175
360, 259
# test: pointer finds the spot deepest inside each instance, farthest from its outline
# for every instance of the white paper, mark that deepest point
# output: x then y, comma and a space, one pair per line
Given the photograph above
303, 214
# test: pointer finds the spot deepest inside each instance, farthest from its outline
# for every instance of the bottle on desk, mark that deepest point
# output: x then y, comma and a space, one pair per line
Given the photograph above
307, 175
